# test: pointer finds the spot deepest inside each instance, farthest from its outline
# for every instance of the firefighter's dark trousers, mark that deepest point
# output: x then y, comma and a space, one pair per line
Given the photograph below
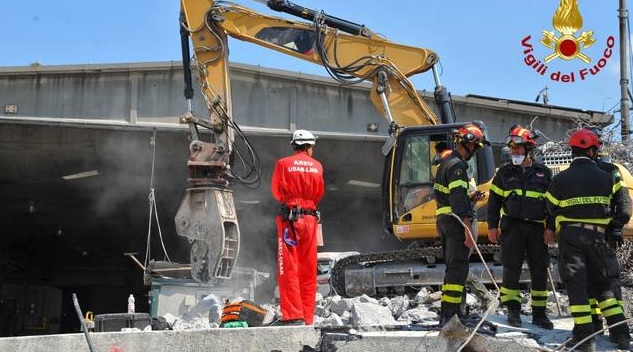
521, 239
613, 270
583, 265
456, 255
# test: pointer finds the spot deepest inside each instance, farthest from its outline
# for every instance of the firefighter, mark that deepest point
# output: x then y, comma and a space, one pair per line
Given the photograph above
297, 183
517, 217
452, 197
580, 200
613, 234
442, 151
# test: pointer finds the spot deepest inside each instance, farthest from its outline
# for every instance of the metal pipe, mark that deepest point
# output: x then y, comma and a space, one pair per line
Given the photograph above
624, 74
83, 323
551, 281
303, 12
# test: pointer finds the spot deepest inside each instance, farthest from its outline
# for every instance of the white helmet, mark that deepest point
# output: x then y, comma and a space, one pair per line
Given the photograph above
301, 137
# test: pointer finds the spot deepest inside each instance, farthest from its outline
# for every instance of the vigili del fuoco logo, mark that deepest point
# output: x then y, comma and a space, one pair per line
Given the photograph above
567, 43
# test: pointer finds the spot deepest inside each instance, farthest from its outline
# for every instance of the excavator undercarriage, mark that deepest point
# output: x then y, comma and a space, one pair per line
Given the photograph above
379, 274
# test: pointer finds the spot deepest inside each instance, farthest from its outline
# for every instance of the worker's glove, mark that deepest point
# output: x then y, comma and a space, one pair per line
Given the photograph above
288, 238
618, 240
477, 196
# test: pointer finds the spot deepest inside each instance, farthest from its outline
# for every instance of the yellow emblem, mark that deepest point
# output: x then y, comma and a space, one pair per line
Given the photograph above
567, 21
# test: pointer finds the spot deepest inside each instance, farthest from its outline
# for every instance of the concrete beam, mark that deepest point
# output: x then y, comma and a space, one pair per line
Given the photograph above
290, 339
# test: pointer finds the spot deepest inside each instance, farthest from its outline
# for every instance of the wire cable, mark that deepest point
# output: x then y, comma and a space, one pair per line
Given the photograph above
495, 302
152, 208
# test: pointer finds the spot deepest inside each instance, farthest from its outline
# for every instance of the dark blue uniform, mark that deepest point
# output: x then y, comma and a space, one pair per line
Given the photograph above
517, 206
451, 195
580, 199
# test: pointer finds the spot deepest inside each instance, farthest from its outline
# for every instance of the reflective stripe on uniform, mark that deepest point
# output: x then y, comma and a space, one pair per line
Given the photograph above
551, 198
581, 314
617, 186
497, 190
601, 222
517, 191
509, 295
451, 299
610, 307
585, 200
539, 298
585, 319
594, 306
452, 293
441, 188
453, 287
443, 210
612, 311
458, 183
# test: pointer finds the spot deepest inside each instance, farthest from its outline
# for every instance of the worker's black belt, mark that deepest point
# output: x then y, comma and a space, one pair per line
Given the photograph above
310, 212
593, 227
292, 214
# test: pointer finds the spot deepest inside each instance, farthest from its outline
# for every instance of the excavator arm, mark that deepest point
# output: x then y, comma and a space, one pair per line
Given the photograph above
351, 53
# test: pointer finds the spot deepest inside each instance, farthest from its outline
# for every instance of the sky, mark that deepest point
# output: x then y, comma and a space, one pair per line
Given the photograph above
481, 44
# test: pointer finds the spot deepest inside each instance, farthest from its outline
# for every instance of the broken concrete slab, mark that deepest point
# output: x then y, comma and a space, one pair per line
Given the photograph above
282, 339
413, 341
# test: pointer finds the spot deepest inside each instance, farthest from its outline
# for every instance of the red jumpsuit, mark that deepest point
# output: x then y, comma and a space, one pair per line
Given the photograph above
297, 181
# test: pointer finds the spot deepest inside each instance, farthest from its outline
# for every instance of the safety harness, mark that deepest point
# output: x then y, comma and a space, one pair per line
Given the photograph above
292, 214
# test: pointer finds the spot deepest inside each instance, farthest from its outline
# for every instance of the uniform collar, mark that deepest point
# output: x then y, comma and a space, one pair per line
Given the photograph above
582, 160
456, 153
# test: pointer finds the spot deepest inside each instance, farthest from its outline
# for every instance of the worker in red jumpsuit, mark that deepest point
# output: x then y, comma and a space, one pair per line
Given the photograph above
297, 183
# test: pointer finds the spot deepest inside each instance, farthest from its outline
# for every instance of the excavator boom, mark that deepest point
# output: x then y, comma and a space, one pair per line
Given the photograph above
348, 58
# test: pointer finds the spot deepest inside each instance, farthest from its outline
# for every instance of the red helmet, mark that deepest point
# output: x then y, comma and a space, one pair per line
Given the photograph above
584, 138
471, 133
521, 135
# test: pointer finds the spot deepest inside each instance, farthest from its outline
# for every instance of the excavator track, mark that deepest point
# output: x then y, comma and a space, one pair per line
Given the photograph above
337, 277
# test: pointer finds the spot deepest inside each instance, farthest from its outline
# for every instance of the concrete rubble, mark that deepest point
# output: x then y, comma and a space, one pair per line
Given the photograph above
400, 323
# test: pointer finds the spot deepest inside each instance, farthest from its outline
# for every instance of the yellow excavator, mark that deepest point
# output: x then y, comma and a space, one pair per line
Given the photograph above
350, 53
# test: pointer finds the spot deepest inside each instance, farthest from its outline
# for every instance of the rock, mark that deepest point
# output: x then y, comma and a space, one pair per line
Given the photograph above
368, 314
340, 305
453, 334
385, 302
332, 320
346, 317
418, 314
366, 299
399, 305
421, 297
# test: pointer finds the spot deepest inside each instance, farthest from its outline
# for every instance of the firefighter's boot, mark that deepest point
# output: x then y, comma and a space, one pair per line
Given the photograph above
539, 318
514, 317
580, 332
620, 336
448, 310
587, 346
598, 324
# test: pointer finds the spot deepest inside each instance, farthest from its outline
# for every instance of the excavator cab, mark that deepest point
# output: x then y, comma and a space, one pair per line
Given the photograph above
408, 181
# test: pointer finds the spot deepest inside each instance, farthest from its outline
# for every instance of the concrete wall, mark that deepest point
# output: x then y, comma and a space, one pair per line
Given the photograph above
263, 98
